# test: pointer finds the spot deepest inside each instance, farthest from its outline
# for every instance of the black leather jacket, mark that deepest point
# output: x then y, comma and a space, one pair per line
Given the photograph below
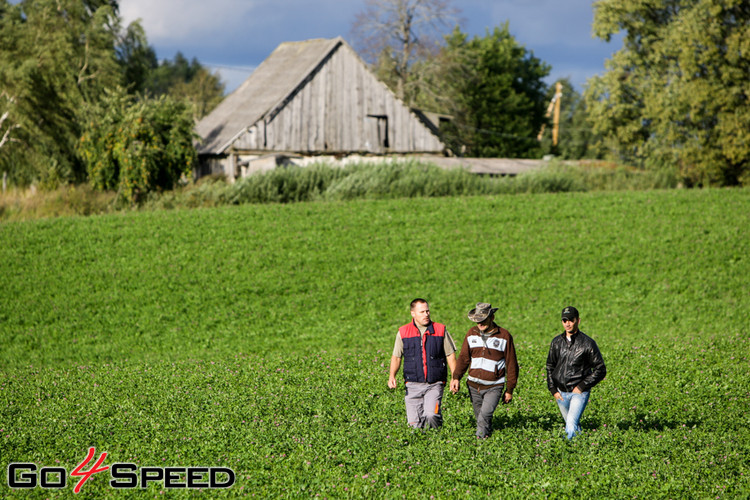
574, 364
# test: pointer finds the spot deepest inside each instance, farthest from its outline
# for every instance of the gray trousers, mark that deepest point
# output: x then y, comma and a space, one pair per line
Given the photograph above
484, 404
423, 404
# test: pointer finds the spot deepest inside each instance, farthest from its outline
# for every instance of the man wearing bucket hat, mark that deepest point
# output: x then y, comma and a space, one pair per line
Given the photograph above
426, 348
574, 366
490, 357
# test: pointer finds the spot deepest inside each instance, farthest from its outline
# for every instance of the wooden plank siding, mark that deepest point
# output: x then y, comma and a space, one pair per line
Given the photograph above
334, 110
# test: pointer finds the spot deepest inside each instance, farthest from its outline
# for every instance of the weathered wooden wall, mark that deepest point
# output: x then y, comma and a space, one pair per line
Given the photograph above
329, 114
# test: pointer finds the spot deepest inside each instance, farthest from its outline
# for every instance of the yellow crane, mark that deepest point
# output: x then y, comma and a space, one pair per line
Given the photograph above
554, 105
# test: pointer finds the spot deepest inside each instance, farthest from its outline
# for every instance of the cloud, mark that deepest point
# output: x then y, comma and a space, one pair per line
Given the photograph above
233, 36
180, 20
535, 23
236, 32
224, 21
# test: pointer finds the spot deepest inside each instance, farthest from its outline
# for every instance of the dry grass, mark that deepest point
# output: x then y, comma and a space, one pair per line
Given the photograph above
326, 182
25, 204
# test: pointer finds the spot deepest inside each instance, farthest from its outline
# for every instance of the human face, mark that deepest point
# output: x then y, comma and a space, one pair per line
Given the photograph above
484, 325
421, 314
571, 326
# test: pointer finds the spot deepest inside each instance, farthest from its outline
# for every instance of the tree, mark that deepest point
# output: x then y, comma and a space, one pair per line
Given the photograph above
494, 89
676, 95
55, 55
394, 33
58, 60
137, 59
189, 81
137, 145
186, 80
6, 125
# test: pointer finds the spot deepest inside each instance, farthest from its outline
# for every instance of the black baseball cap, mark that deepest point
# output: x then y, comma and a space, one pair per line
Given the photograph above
570, 312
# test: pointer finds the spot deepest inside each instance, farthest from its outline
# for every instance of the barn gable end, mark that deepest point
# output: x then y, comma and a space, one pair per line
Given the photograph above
310, 98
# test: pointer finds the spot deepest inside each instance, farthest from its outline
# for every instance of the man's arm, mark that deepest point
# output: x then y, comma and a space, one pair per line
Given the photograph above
395, 365
511, 370
451, 359
598, 369
454, 383
550, 367
460, 366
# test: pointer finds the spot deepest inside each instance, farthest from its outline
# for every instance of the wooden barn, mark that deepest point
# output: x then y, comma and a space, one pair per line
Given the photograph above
307, 99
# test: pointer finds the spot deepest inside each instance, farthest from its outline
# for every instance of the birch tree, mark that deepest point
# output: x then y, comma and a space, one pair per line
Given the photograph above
7, 125
395, 33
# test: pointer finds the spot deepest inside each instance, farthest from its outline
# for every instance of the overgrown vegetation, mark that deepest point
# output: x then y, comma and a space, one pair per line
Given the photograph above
61, 59
258, 337
24, 204
326, 182
659, 106
137, 147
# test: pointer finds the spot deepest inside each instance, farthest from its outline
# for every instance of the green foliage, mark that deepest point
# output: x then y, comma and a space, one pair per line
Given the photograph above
575, 138
491, 86
60, 57
138, 146
137, 59
186, 81
357, 181
271, 356
676, 93
413, 179
55, 56
333, 183
497, 95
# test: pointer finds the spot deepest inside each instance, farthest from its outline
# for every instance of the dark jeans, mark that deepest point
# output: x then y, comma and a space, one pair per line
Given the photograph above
484, 404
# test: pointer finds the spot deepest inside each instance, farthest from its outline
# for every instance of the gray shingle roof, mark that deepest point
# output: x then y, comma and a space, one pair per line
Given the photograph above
266, 88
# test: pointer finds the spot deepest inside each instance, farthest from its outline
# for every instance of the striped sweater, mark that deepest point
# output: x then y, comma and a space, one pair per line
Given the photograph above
489, 363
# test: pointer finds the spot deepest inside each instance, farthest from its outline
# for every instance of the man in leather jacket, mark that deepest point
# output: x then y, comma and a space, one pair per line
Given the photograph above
574, 366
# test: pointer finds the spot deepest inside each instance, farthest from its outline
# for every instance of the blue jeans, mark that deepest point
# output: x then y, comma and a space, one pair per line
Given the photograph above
571, 408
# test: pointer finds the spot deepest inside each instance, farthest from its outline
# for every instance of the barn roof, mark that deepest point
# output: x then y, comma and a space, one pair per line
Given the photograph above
266, 89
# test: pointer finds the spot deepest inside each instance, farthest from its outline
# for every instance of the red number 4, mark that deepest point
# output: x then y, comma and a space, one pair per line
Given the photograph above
85, 475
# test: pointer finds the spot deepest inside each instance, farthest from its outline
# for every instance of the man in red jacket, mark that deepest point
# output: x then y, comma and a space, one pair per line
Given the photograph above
490, 356
426, 347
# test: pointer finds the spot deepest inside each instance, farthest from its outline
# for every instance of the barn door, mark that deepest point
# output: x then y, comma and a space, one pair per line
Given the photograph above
381, 131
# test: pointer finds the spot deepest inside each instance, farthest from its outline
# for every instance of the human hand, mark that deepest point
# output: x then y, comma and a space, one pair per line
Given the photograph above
576, 390
455, 385
392, 382
558, 396
508, 397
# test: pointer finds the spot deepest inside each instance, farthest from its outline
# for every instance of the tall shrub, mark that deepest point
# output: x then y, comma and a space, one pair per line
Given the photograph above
137, 146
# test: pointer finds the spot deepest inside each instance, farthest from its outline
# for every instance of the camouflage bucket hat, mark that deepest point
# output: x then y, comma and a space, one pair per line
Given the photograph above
481, 312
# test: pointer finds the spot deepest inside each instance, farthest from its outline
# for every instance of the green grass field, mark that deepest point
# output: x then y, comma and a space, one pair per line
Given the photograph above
258, 338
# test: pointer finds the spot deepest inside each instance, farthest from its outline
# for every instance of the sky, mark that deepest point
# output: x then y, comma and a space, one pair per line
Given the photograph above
232, 37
